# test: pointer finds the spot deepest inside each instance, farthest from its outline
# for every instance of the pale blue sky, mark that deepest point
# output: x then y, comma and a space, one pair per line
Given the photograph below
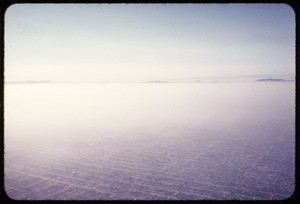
124, 42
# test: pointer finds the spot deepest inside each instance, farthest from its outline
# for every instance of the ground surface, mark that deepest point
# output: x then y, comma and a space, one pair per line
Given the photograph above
234, 158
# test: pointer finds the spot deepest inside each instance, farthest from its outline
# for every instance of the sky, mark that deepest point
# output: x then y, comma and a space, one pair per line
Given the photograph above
137, 42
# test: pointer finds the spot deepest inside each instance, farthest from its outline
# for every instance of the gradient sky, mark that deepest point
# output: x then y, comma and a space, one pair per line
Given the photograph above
123, 42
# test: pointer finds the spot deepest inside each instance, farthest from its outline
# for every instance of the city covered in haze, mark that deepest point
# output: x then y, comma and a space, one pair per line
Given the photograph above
149, 102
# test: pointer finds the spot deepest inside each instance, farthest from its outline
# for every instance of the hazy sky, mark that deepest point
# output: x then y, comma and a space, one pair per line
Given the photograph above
120, 42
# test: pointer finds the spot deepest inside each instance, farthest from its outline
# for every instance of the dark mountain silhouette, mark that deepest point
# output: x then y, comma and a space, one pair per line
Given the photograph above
270, 79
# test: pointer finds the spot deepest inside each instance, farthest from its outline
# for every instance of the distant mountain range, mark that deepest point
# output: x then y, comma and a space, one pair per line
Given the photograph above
155, 81
271, 79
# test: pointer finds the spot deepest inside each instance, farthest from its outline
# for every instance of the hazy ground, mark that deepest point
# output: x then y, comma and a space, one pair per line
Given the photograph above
150, 141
